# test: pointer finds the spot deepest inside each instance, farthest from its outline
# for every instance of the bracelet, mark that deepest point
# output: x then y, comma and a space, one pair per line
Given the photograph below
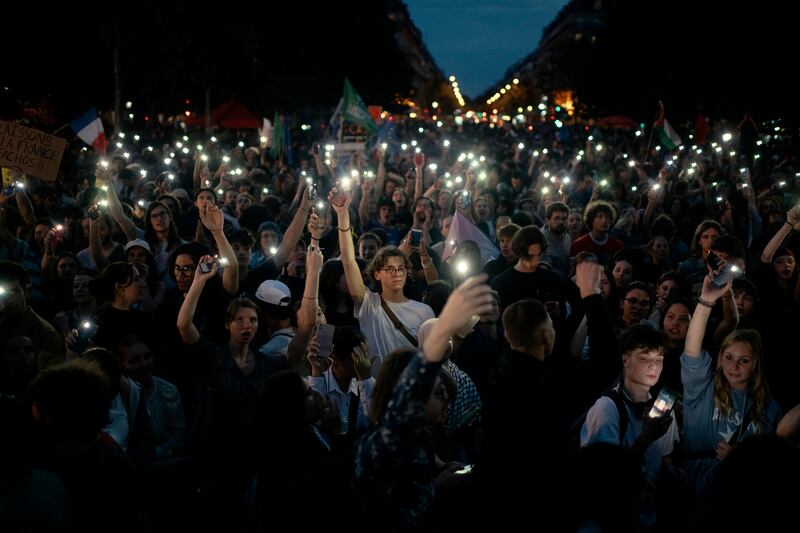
705, 303
309, 298
344, 230
791, 226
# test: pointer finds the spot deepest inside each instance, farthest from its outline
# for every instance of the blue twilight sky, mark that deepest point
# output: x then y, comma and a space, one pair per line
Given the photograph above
478, 40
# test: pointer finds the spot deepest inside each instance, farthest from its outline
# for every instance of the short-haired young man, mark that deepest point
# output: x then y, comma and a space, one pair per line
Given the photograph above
527, 279
506, 259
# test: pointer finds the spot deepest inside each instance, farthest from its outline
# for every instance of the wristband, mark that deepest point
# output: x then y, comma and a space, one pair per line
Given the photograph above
705, 303
344, 230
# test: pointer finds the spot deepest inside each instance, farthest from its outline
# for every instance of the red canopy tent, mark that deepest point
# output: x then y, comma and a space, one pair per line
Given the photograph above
617, 121
232, 114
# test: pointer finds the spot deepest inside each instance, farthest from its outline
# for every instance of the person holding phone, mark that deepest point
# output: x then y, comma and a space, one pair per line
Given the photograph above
642, 350
341, 371
725, 402
652, 437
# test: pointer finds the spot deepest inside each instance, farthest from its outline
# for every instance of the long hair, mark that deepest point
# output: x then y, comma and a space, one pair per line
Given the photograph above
697, 250
150, 236
760, 393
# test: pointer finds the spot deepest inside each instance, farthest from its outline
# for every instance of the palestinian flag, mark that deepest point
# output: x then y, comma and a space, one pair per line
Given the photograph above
665, 132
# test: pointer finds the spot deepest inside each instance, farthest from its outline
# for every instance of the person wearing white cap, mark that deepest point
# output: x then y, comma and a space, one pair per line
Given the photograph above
274, 298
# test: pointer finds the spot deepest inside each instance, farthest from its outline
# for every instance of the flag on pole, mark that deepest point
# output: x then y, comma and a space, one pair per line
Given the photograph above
89, 129
463, 230
666, 134
278, 135
354, 110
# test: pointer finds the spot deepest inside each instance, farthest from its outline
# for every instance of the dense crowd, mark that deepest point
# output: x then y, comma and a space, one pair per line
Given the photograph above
453, 327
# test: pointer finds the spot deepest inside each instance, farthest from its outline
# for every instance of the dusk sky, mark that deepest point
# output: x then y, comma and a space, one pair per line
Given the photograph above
477, 40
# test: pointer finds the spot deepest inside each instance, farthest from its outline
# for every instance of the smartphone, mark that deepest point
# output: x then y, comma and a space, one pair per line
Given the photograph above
663, 404
325, 339
466, 470
94, 212
731, 271
85, 333
312, 193
416, 237
465, 200
206, 267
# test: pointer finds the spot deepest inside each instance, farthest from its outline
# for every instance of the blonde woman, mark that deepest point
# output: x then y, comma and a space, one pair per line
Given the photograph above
726, 400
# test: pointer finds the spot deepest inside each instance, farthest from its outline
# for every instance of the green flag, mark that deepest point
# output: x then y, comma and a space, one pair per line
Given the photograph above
354, 110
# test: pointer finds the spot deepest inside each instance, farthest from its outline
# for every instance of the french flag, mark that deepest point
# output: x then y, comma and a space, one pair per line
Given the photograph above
89, 128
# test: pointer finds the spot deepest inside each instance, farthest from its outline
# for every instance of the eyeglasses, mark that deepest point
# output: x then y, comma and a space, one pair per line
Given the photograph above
636, 301
401, 271
185, 270
160, 214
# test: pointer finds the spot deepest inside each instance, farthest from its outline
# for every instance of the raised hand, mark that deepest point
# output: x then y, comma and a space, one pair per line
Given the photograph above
340, 200
710, 293
313, 259
316, 227
587, 278
319, 365
202, 277
361, 361
793, 217
211, 217
473, 297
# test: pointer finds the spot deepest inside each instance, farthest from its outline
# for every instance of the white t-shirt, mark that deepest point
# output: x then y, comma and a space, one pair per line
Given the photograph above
382, 337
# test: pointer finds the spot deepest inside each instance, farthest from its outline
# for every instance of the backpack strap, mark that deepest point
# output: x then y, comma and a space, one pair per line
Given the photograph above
397, 324
619, 401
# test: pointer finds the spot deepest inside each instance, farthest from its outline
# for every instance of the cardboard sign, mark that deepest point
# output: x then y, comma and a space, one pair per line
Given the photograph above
35, 152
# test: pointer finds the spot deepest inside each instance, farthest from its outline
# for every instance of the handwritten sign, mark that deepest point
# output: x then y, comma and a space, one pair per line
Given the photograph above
35, 152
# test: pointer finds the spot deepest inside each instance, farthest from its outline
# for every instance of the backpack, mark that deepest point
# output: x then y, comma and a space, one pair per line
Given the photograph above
616, 396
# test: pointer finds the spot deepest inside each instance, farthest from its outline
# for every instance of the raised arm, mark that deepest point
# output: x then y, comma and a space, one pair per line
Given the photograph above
363, 205
211, 217
730, 318
187, 329
294, 231
419, 168
473, 297
114, 206
793, 223
307, 314
340, 200
95, 247
697, 327
380, 175
23, 201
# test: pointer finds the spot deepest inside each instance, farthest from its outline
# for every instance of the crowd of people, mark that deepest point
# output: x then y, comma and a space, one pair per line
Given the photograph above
458, 326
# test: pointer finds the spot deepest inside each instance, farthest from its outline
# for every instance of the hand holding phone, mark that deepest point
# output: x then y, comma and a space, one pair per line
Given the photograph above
729, 271
416, 237
325, 339
663, 404
208, 266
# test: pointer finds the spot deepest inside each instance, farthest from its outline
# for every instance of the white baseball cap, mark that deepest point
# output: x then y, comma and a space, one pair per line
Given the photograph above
138, 242
273, 292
